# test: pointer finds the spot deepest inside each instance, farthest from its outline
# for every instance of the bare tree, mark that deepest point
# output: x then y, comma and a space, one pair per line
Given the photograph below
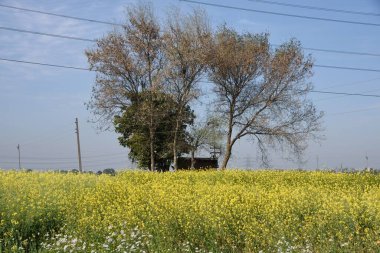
128, 62
186, 41
263, 92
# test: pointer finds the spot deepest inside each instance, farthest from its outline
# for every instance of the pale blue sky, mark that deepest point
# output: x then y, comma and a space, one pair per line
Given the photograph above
38, 105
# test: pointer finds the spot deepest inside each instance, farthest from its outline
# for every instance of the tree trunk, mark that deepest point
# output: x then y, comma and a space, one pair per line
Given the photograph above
151, 142
152, 163
229, 136
192, 159
152, 121
175, 160
227, 155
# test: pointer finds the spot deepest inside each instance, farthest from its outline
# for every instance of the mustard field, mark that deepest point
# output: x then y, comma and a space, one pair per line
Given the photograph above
209, 211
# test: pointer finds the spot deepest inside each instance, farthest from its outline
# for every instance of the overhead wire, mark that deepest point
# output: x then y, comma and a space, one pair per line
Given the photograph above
204, 3
348, 84
336, 93
281, 13
346, 68
45, 34
43, 64
73, 160
316, 8
316, 91
90, 40
25, 161
74, 164
60, 15
93, 40
106, 156
337, 51
87, 162
80, 68
346, 94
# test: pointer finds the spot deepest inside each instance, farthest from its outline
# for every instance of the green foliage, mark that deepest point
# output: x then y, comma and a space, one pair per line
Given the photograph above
109, 171
135, 123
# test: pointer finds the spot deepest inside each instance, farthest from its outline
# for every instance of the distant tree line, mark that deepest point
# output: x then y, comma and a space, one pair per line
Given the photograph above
149, 75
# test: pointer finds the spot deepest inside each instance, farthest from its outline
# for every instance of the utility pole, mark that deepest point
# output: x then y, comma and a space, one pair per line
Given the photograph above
19, 156
216, 152
366, 158
78, 143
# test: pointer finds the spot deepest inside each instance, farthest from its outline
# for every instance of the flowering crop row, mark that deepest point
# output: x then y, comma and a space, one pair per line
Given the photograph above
210, 211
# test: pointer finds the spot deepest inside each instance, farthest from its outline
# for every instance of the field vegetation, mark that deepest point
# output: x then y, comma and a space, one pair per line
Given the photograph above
209, 211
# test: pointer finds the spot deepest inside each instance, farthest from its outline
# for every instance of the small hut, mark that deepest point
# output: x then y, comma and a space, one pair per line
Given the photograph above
184, 163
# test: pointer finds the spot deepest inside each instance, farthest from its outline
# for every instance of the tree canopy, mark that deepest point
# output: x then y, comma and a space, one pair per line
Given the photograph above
149, 75
262, 92
134, 131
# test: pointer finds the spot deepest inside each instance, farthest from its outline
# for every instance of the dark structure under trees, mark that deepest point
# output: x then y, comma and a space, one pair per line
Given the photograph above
184, 163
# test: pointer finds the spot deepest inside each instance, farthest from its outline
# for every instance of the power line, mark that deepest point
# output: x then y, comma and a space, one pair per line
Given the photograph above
346, 94
324, 66
42, 161
346, 68
349, 84
73, 160
102, 156
316, 8
93, 40
45, 34
341, 96
282, 14
339, 51
335, 93
60, 15
87, 163
80, 68
43, 64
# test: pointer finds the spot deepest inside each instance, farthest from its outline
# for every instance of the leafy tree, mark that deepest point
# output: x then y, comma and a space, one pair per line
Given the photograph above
262, 92
129, 61
186, 42
135, 132
147, 78
109, 171
141, 58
